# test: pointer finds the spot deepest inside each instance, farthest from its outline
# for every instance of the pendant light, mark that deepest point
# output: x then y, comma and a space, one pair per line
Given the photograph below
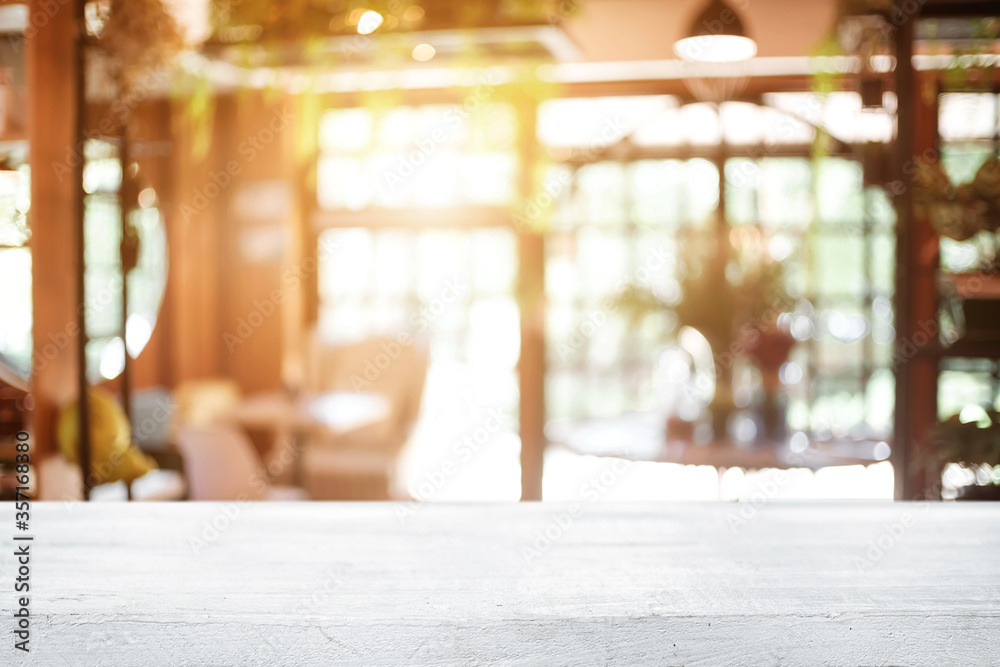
716, 35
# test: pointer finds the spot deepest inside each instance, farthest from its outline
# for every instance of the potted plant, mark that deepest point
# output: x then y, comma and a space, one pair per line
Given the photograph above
970, 211
733, 297
970, 444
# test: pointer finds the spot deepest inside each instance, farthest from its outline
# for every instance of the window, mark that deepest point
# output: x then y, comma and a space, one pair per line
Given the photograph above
15, 275
105, 349
405, 213
969, 129
423, 157
833, 234
414, 203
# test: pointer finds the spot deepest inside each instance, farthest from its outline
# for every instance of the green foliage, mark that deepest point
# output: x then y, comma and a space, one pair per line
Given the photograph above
721, 294
969, 444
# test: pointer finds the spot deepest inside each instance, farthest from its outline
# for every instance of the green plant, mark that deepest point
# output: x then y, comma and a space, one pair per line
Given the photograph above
970, 444
723, 291
964, 212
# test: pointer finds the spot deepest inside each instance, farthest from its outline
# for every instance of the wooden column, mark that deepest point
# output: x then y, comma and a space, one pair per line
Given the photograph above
56, 164
916, 284
531, 288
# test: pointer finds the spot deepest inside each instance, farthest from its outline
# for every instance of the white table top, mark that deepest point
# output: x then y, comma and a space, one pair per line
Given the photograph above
616, 584
642, 436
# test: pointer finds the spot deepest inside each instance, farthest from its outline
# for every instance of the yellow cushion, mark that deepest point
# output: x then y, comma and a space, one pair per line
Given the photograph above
112, 456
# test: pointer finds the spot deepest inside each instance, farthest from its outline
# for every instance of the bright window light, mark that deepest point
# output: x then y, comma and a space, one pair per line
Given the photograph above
423, 52
369, 22
112, 359
716, 48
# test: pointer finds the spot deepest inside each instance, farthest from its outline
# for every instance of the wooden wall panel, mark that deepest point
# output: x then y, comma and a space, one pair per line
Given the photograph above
259, 231
52, 110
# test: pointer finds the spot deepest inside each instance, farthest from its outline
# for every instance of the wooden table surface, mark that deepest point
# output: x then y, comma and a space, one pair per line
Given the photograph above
440, 584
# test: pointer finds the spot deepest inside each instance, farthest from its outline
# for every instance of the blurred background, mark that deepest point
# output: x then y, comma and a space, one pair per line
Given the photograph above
432, 250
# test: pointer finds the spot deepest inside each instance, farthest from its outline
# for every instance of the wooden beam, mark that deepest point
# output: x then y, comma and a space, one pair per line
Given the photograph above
56, 166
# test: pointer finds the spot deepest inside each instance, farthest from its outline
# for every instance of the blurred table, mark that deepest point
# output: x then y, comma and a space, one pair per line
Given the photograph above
642, 436
862, 583
338, 412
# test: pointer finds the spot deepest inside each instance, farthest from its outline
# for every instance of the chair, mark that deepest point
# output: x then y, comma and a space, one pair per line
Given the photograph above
221, 463
203, 401
360, 465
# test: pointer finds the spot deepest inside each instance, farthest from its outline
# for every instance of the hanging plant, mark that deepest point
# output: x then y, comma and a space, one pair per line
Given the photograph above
958, 212
969, 444
140, 37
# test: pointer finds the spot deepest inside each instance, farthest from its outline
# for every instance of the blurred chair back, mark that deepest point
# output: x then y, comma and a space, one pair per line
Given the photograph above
378, 365
220, 463
360, 465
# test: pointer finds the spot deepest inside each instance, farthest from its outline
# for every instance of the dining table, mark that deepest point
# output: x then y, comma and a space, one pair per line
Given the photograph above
335, 411
590, 583
291, 417
646, 436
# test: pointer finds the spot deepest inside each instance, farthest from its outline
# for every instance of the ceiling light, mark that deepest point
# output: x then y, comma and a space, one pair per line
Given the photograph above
716, 35
423, 52
369, 22
413, 13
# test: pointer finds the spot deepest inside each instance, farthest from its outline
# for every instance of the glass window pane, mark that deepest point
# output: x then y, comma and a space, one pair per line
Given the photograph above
345, 130
839, 191
785, 193
600, 193
967, 116
15, 304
